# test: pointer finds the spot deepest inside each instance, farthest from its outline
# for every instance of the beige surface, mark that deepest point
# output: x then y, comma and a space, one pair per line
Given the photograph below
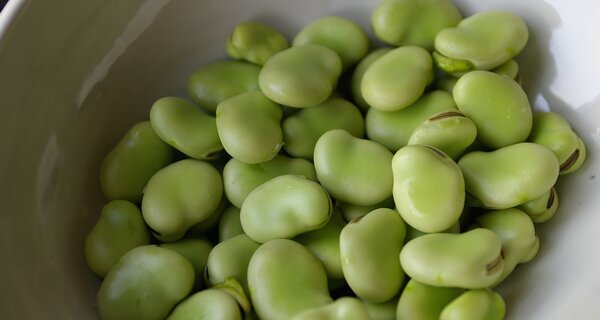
74, 75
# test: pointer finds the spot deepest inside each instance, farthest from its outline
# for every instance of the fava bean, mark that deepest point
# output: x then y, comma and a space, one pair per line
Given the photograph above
179, 196
187, 129
369, 248
328, 31
146, 283
482, 41
255, 42
130, 164
424, 302
482, 304
119, 229
229, 259
353, 170
516, 230
284, 207
218, 81
449, 131
397, 79
429, 189
542, 208
470, 260
249, 127
211, 304
509, 176
286, 279
554, 132
301, 76
413, 22
497, 105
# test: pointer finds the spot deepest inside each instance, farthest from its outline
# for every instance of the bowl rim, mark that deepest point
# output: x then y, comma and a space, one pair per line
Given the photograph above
8, 14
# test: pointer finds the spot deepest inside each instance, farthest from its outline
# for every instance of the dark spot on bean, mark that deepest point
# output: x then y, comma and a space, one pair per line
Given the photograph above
570, 161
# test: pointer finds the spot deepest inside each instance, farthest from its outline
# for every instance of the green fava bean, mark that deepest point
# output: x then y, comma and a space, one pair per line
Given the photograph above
510, 69
359, 72
285, 279
187, 129
542, 208
119, 229
196, 251
382, 311
449, 131
130, 164
230, 224
554, 132
369, 248
397, 79
470, 260
241, 178
353, 170
181, 195
345, 308
213, 304
482, 41
301, 76
516, 230
284, 207
146, 283
255, 42
324, 243
218, 81
424, 302
393, 129
498, 106
509, 176
339, 34
429, 189
475, 305
229, 259
302, 129
249, 127
351, 211
413, 22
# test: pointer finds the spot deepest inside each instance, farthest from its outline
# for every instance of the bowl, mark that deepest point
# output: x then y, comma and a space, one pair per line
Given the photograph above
75, 75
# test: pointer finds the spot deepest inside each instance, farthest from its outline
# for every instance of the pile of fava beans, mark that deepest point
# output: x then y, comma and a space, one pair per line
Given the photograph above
323, 178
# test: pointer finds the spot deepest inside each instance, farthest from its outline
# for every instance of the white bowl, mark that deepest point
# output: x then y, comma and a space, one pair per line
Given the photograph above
74, 75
